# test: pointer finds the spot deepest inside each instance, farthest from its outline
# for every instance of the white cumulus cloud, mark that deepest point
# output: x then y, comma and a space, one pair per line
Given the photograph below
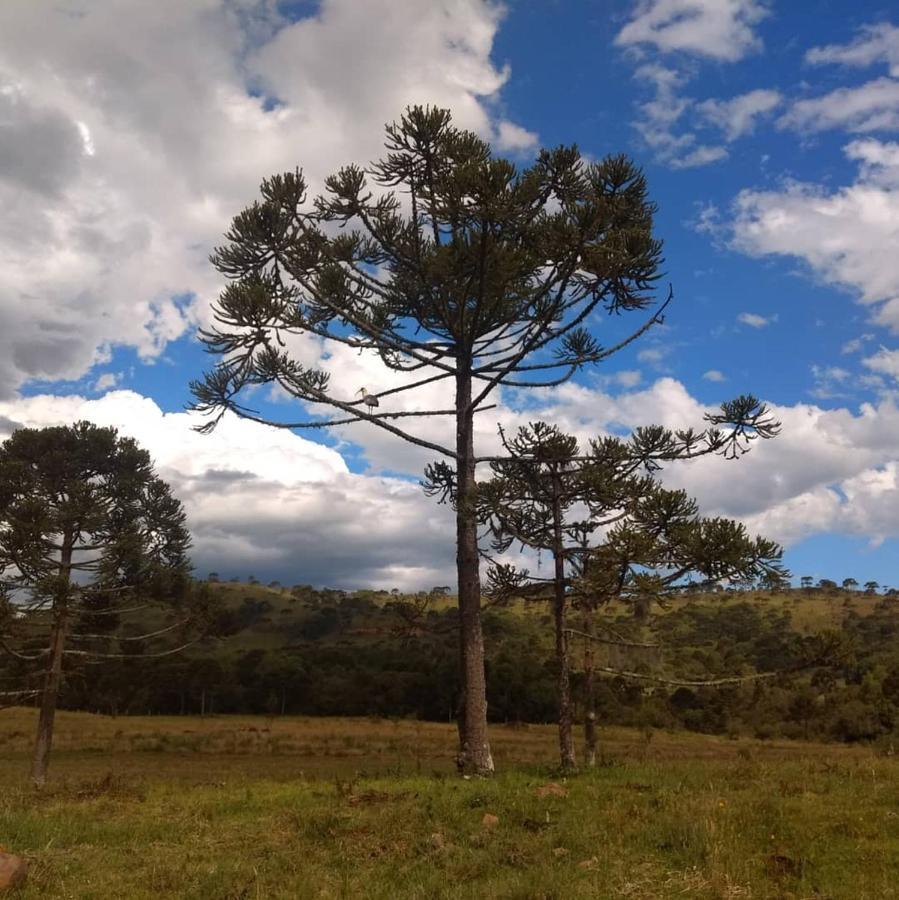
719, 29
823, 473
885, 362
754, 320
869, 107
685, 133
131, 132
873, 106
514, 138
265, 501
270, 502
872, 44
738, 116
842, 234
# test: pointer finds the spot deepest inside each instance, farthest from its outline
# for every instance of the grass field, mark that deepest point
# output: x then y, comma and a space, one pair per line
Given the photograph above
270, 808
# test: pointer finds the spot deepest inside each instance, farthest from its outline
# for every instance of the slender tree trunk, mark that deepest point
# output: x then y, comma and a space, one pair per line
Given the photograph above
589, 689
641, 608
474, 750
53, 679
563, 682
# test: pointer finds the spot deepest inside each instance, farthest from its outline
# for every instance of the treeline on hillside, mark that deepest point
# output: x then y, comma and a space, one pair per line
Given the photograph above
329, 653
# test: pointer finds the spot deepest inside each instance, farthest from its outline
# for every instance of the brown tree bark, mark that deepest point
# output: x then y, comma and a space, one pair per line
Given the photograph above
53, 680
589, 689
567, 758
642, 608
474, 744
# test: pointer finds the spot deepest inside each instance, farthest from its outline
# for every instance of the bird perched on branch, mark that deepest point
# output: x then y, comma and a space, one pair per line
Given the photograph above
370, 400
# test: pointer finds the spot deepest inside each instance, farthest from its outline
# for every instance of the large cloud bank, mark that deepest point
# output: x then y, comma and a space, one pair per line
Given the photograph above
271, 503
130, 133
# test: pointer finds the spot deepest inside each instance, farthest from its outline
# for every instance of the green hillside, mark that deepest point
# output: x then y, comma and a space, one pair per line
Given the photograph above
306, 651
282, 608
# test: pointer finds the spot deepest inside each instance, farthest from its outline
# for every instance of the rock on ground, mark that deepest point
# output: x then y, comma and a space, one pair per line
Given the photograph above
551, 790
13, 871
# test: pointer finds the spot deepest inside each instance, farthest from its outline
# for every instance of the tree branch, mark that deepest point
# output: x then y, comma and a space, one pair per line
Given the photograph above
162, 653
617, 642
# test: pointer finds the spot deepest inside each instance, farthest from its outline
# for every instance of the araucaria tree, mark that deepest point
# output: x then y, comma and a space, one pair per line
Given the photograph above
612, 530
529, 501
453, 266
88, 533
657, 547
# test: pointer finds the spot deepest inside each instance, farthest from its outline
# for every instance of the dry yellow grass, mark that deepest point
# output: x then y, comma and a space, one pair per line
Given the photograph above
185, 746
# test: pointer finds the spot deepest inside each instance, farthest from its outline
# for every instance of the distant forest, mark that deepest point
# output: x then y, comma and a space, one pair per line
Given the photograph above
298, 650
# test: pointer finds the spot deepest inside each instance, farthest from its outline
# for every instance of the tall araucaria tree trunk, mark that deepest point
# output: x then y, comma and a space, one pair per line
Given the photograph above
53, 680
474, 752
589, 689
563, 684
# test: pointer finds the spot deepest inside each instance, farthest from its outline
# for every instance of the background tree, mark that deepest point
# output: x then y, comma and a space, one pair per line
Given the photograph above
88, 533
529, 501
644, 558
457, 269
546, 496
773, 581
849, 584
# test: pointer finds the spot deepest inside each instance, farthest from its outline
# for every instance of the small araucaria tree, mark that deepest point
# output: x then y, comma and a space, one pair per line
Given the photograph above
547, 497
88, 534
613, 531
661, 545
456, 268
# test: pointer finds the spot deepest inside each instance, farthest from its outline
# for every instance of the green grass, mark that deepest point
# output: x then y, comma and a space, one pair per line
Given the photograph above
248, 807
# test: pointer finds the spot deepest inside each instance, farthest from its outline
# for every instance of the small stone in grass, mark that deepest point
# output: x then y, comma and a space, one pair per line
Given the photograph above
13, 871
490, 820
551, 790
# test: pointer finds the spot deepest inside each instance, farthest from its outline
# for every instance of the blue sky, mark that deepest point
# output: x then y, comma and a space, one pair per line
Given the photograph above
768, 132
